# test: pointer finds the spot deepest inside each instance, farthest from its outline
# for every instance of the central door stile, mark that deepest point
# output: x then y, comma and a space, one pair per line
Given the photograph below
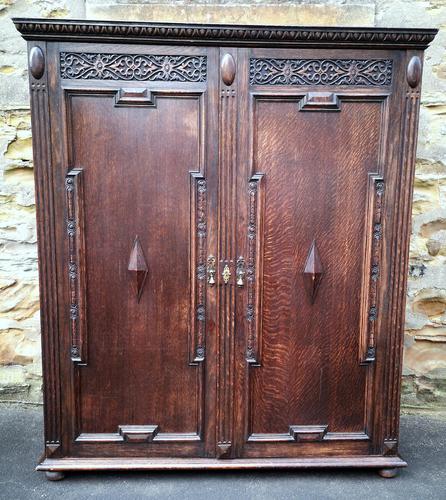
248, 229
226, 272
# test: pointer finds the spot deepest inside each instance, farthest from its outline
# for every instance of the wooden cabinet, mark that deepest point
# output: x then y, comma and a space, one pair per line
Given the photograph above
223, 217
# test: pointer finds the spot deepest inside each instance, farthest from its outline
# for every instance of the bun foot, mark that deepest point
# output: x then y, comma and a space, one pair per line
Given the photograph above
54, 475
388, 473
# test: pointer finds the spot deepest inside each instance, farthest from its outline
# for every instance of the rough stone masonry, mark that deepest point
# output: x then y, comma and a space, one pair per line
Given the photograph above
425, 338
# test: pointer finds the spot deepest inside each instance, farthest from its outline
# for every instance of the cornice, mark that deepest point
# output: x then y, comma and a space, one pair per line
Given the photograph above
216, 34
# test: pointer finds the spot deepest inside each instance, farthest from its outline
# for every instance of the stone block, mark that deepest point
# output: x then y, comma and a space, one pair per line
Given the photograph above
285, 13
13, 383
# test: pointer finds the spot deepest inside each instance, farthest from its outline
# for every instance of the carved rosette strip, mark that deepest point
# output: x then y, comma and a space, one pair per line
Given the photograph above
253, 312
375, 267
76, 267
139, 67
199, 225
376, 192
370, 72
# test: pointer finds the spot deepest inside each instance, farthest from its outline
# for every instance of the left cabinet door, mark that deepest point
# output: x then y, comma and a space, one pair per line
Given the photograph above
134, 155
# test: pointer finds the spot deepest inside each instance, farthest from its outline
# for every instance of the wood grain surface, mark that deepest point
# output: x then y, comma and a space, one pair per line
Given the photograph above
223, 238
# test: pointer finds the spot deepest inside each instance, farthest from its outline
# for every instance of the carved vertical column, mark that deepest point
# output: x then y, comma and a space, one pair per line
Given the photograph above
400, 250
198, 250
370, 307
226, 222
253, 268
76, 264
38, 82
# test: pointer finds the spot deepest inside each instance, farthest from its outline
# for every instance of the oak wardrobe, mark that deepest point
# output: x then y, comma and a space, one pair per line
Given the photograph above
223, 226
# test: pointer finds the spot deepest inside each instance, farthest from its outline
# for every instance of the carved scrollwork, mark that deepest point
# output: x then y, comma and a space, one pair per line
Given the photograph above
370, 72
140, 67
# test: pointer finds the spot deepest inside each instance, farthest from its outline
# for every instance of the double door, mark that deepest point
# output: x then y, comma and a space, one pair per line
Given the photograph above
219, 225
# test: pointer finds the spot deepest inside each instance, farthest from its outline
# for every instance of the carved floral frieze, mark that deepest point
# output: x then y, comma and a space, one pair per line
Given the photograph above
140, 67
370, 72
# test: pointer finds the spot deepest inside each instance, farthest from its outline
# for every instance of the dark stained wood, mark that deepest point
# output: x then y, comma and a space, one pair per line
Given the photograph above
36, 62
220, 34
309, 366
414, 71
223, 217
90, 464
48, 284
228, 69
227, 217
388, 473
313, 272
54, 475
130, 333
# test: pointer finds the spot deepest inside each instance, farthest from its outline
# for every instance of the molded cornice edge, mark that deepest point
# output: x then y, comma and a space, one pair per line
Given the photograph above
216, 34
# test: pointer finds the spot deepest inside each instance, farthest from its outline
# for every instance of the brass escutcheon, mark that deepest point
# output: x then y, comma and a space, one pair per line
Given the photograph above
226, 274
211, 270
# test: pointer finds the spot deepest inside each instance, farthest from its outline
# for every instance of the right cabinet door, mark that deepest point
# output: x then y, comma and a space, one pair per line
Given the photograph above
314, 165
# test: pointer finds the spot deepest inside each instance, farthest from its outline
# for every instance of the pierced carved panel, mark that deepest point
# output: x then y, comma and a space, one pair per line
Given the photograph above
140, 67
370, 72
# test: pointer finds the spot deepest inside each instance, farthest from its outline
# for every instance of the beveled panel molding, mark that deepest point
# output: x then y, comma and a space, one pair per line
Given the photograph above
320, 101
134, 97
136, 434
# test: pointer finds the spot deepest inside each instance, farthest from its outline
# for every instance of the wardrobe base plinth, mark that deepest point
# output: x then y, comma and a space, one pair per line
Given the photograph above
116, 464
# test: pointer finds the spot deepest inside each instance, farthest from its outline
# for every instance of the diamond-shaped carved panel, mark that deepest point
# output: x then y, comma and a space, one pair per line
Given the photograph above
138, 267
313, 272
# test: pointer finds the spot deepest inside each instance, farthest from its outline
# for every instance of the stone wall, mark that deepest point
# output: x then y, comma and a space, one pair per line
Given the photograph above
425, 345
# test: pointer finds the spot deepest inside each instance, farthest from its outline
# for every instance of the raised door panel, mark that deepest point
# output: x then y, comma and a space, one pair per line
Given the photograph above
311, 205
139, 191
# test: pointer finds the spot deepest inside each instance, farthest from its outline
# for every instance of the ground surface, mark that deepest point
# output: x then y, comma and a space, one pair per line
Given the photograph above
423, 445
